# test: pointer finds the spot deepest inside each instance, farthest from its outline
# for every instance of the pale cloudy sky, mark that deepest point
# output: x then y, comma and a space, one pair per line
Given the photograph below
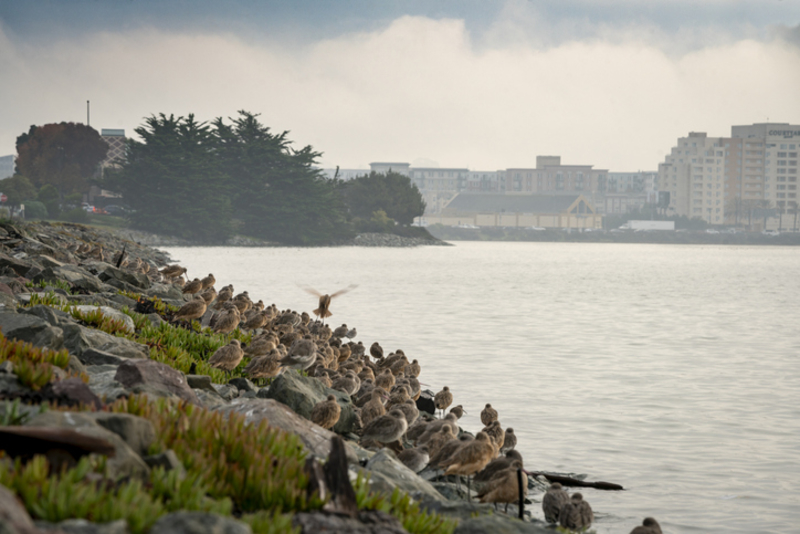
473, 83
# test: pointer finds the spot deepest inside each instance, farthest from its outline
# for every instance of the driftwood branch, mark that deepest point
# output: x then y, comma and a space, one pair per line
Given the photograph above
574, 482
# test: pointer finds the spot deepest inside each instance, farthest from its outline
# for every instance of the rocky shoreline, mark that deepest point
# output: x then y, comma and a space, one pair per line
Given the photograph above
94, 366
361, 240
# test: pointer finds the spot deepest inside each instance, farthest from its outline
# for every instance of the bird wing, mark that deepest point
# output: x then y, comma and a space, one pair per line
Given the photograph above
345, 290
310, 290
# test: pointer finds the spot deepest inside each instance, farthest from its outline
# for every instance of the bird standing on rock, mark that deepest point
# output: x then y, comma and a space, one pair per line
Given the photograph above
471, 458
387, 428
323, 310
265, 366
194, 309
443, 399
415, 459
192, 287
302, 354
208, 281
504, 487
576, 514
553, 501
648, 526
509, 441
326, 413
488, 415
227, 357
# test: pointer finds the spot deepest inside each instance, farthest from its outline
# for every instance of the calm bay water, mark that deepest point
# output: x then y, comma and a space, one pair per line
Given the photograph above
672, 370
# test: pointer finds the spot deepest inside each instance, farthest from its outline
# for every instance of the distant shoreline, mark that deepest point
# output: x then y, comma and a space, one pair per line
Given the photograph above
678, 237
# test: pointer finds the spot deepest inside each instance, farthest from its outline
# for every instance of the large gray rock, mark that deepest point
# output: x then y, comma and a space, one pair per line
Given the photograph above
316, 439
53, 316
110, 313
302, 393
155, 378
21, 326
368, 522
19, 266
125, 461
500, 524
100, 357
199, 523
78, 339
389, 473
137, 432
12, 388
108, 274
164, 291
51, 338
79, 278
71, 392
103, 383
82, 526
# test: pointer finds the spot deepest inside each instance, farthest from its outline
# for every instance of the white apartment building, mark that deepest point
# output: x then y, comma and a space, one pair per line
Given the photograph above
6, 166
738, 179
694, 176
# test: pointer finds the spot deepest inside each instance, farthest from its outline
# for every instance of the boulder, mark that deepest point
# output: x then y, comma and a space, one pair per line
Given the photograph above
125, 461
108, 274
164, 291
500, 524
210, 398
53, 316
71, 392
79, 278
155, 378
103, 383
226, 391
8, 302
199, 523
301, 394
200, 382
12, 388
51, 338
21, 326
47, 261
82, 526
393, 474
19, 266
368, 522
316, 439
137, 432
78, 339
100, 357
242, 384
112, 314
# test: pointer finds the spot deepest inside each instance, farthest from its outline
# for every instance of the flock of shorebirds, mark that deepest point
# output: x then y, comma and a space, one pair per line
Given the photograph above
384, 389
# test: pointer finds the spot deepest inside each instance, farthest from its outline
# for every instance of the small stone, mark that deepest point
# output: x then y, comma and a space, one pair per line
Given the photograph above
167, 459
242, 384
199, 523
199, 382
148, 376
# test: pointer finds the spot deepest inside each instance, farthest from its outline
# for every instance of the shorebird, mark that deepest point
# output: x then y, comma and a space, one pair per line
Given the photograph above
648, 526
497, 465
352, 333
208, 281
434, 426
173, 271
553, 501
504, 486
495, 433
255, 322
323, 311
441, 458
410, 410
225, 322
471, 458
192, 287
340, 331
443, 399
458, 411
194, 309
224, 296
576, 514
437, 440
259, 346
413, 369
385, 380
415, 459
488, 415
326, 413
509, 441
387, 428
208, 294
374, 407
301, 355
242, 302
349, 383
265, 366
227, 357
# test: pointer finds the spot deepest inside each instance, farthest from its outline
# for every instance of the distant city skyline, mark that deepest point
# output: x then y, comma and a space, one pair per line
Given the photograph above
477, 84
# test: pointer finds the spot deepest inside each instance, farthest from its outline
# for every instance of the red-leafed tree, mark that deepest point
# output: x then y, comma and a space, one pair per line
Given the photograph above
64, 155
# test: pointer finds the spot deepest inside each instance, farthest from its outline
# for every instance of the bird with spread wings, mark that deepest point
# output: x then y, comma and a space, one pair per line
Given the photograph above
323, 310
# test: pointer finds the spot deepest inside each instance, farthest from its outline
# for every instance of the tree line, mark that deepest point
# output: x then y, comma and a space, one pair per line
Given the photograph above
205, 181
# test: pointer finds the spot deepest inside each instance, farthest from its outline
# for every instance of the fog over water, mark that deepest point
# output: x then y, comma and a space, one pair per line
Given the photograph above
671, 370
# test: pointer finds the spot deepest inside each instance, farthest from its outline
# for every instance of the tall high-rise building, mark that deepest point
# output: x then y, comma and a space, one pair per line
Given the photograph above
748, 178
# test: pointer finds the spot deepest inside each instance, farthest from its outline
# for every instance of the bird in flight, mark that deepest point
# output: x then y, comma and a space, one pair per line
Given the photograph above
323, 310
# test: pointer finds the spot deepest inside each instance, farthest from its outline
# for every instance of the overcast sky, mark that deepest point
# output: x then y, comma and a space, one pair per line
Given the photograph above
470, 83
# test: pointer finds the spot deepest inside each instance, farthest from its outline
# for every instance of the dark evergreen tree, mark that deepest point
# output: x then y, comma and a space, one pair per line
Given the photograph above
391, 192
173, 180
275, 190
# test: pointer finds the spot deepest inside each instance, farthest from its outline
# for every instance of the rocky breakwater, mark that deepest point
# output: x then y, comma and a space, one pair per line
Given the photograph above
117, 417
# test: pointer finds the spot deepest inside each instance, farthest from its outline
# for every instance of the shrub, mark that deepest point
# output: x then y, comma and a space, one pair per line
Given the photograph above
77, 215
35, 210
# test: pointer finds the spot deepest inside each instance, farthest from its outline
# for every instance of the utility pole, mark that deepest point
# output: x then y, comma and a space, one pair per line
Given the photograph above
87, 114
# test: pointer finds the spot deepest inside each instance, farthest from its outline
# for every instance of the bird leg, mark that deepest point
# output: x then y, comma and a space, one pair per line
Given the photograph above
469, 499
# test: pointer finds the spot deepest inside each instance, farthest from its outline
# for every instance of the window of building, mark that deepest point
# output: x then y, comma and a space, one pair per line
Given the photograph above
781, 154
792, 163
781, 187
792, 154
781, 195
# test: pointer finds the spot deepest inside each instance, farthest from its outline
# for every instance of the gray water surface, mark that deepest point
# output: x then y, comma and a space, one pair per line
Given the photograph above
672, 370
